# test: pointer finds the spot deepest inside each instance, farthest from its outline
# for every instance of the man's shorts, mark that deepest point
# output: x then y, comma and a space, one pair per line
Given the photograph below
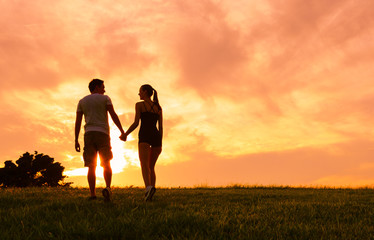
96, 142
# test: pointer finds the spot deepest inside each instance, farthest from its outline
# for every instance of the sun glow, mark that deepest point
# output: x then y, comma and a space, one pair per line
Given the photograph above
122, 157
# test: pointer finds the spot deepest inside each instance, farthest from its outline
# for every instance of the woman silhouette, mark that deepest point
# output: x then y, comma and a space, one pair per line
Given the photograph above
150, 138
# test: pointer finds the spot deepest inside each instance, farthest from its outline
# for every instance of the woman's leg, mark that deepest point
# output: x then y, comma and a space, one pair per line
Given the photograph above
144, 153
155, 152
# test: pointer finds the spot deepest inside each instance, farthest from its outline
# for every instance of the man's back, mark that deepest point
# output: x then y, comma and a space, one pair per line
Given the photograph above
94, 108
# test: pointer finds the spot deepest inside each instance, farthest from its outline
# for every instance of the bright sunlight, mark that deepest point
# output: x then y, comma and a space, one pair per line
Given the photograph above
122, 157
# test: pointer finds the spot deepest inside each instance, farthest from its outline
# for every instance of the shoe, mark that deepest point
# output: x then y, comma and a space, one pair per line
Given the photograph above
153, 191
92, 198
149, 194
107, 194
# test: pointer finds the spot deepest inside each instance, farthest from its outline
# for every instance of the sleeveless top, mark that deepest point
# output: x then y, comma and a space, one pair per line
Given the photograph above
148, 132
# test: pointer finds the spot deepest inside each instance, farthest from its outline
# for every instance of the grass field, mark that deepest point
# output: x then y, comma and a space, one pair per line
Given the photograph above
191, 213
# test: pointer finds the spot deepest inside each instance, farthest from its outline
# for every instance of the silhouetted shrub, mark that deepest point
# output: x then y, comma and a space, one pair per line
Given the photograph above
32, 170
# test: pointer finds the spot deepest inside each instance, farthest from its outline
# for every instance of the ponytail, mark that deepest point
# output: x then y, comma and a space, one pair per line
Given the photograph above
151, 91
155, 99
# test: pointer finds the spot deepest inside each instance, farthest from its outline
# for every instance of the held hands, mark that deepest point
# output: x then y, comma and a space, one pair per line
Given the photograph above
123, 137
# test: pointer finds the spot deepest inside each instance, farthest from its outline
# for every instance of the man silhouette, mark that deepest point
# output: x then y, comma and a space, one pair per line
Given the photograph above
95, 108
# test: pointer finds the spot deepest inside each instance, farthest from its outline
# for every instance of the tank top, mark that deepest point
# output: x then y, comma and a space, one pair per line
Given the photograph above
148, 130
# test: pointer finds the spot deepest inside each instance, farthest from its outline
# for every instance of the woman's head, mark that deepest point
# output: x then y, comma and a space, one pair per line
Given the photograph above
147, 90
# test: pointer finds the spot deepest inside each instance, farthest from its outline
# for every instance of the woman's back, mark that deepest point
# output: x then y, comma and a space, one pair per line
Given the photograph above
148, 128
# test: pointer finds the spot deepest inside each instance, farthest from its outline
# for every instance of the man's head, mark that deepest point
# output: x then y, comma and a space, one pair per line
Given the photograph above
96, 86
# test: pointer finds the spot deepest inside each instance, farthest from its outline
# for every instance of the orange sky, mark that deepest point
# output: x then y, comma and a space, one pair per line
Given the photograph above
253, 92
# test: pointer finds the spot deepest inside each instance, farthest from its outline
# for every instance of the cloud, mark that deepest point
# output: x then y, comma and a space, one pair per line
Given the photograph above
345, 181
235, 79
50, 53
329, 165
290, 47
207, 50
32, 43
46, 44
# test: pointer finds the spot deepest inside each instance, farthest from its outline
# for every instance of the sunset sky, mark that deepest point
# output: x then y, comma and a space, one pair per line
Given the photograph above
276, 92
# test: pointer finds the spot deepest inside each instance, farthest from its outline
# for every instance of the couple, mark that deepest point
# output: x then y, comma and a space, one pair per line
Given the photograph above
95, 108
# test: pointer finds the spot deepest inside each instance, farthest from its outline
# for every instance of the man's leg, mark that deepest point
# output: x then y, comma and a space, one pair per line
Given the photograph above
91, 177
90, 158
105, 151
108, 174
107, 192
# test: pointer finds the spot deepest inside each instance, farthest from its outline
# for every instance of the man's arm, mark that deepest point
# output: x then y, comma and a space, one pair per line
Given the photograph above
115, 118
78, 123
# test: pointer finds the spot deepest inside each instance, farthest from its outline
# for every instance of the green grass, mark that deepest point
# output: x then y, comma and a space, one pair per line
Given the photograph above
191, 213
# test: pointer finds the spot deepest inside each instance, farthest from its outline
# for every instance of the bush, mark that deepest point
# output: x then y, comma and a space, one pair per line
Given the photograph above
32, 170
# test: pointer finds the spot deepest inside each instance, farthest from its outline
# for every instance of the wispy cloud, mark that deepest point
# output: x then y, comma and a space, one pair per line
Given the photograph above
235, 78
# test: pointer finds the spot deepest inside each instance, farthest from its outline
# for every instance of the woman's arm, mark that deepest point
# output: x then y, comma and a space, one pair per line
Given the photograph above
136, 121
160, 127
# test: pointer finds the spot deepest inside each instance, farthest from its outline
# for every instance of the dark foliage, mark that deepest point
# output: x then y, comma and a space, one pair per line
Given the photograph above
32, 170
